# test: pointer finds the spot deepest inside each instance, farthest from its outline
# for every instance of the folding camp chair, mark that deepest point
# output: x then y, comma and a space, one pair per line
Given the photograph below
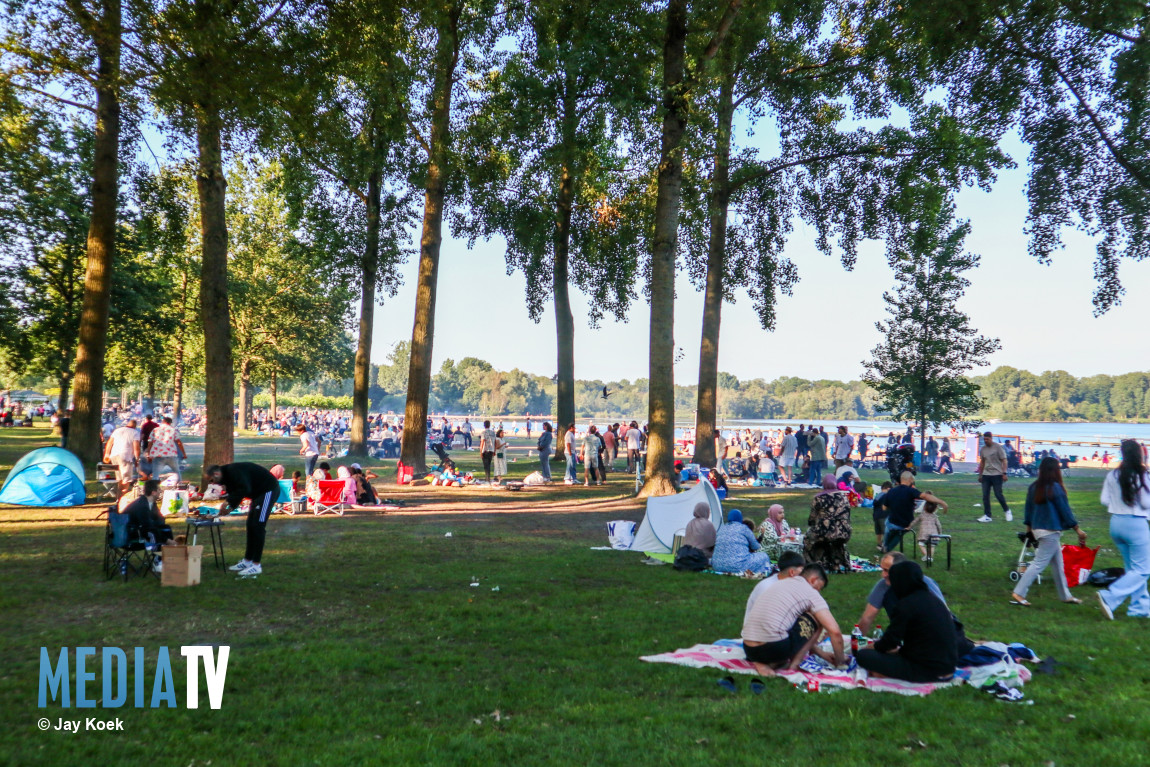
125, 551
330, 498
287, 502
106, 476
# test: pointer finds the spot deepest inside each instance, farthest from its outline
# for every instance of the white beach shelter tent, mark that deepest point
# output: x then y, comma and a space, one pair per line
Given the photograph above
667, 516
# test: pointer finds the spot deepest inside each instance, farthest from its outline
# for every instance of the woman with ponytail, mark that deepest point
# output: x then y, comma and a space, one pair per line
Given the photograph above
1126, 493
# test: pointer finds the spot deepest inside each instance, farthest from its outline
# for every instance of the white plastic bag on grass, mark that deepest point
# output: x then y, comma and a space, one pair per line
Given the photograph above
620, 533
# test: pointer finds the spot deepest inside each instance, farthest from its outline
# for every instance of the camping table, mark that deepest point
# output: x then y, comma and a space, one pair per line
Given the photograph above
215, 527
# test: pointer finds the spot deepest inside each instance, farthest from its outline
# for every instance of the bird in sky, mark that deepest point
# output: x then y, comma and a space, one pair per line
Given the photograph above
606, 393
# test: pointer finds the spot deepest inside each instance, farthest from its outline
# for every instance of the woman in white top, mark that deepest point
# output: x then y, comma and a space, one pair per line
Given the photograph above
500, 456
1126, 493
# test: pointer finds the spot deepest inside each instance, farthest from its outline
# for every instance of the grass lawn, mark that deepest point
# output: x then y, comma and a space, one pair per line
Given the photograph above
364, 642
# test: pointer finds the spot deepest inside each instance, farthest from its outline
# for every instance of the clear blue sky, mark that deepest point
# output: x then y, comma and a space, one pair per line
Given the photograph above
1042, 314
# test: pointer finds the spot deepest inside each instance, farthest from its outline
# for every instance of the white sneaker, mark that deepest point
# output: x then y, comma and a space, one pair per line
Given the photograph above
241, 565
251, 571
1009, 516
984, 518
1105, 607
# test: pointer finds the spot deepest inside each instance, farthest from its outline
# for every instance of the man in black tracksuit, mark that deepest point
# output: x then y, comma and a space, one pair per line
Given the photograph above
248, 480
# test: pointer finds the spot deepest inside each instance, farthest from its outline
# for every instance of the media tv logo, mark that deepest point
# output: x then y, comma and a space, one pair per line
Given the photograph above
55, 678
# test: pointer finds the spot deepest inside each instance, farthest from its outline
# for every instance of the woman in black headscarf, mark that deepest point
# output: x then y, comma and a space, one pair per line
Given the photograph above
920, 645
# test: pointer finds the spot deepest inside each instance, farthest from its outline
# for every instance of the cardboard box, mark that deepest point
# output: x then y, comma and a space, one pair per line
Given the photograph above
181, 565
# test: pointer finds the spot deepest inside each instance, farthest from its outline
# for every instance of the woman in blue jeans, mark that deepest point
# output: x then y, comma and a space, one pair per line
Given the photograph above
569, 451
544, 448
1126, 493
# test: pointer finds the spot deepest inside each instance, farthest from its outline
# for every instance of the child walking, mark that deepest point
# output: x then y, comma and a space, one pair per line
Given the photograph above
927, 524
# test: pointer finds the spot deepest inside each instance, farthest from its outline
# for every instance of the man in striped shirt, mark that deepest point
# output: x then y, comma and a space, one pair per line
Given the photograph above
784, 624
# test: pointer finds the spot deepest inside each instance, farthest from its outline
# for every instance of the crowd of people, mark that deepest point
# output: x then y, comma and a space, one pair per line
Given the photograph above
786, 614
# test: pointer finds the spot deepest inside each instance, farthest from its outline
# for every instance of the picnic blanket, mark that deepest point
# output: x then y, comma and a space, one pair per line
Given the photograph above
727, 654
858, 564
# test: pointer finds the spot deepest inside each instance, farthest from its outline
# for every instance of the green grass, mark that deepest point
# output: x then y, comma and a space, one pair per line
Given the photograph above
364, 643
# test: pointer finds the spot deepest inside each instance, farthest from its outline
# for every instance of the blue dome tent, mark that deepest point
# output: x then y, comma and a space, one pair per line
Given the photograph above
50, 476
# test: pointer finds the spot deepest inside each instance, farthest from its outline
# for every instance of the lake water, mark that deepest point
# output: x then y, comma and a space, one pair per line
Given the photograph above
1039, 433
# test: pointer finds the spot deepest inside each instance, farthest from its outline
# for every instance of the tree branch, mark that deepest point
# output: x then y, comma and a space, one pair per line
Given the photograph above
742, 181
1137, 173
54, 97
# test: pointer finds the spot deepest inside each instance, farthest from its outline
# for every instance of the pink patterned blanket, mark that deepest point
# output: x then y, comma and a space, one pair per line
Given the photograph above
727, 654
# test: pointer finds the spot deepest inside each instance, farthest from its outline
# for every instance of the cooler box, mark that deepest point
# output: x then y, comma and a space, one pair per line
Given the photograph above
181, 565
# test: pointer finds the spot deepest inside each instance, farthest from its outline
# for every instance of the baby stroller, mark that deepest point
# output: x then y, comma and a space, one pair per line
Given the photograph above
899, 460
1028, 542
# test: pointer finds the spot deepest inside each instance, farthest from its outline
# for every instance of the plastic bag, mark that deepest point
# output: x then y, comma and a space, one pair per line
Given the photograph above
1077, 562
620, 533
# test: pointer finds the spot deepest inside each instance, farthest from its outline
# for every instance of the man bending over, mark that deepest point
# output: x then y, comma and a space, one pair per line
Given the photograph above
248, 480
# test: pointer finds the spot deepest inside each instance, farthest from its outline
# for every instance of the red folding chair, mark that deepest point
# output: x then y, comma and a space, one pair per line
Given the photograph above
331, 496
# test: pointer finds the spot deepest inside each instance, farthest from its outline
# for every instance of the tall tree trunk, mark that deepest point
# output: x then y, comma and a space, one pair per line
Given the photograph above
660, 478
564, 320
360, 403
125, 398
84, 435
65, 383
707, 402
273, 393
246, 394
181, 333
422, 333
219, 375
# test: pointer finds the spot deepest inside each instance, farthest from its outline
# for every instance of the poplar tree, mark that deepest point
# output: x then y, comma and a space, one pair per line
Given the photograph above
787, 74
919, 370
210, 64
547, 166
60, 50
445, 30
344, 116
680, 78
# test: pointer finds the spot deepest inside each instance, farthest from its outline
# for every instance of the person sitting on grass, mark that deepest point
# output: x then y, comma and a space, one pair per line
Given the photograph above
700, 533
773, 530
364, 492
736, 550
920, 645
718, 481
882, 597
784, 624
829, 528
791, 565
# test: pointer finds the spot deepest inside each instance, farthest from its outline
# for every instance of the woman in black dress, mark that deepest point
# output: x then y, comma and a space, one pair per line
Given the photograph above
920, 645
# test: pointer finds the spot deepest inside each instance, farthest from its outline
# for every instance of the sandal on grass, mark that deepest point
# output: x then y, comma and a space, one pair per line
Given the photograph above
757, 686
728, 684
1072, 601
1017, 600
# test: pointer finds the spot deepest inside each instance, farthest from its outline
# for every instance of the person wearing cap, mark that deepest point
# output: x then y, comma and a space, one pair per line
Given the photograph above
991, 474
736, 549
